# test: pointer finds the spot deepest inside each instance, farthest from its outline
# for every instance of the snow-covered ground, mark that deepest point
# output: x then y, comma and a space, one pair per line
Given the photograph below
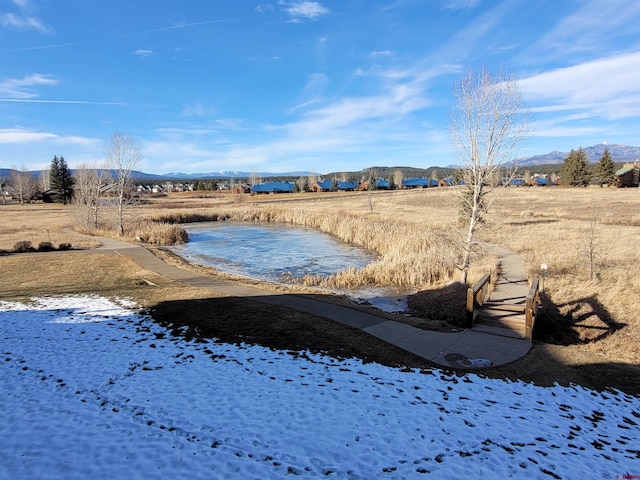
91, 389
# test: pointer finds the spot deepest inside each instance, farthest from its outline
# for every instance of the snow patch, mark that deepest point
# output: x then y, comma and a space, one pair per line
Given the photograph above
123, 398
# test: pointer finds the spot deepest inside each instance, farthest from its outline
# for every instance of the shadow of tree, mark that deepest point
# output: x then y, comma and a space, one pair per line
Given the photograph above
576, 322
446, 305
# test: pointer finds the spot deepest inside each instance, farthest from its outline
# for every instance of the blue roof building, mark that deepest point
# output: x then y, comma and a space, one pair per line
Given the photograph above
273, 187
416, 183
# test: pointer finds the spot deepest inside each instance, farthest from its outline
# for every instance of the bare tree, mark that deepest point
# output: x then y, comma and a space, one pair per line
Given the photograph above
23, 183
313, 179
88, 187
592, 245
434, 175
488, 123
45, 180
3, 189
122, 154
397, 178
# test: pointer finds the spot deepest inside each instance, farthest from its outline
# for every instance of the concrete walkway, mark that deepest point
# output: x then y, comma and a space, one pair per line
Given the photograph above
468, 349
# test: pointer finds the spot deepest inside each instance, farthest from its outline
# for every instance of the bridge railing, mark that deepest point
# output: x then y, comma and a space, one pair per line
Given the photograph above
476, 297
531, 308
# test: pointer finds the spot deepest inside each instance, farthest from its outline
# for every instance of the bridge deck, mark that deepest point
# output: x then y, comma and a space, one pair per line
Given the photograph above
504, 313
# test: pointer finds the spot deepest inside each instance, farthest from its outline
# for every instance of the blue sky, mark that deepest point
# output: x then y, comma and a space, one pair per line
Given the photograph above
306, 85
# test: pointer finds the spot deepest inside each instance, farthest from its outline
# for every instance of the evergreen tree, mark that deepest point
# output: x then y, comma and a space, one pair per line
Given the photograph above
54, 172
575, 169
604, 169
61, 180
392, 183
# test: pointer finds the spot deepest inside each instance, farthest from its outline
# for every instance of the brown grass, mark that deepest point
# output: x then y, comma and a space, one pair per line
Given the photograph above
596, 319
37, 223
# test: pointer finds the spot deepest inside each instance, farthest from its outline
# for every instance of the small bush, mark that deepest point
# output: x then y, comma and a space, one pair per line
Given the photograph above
64, 246
46, 247
161, 233
23, 246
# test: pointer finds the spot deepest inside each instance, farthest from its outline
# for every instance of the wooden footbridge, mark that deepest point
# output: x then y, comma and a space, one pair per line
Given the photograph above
510, 309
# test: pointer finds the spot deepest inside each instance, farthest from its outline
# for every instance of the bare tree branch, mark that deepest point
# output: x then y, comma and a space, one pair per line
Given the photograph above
24, 184
123, 154
88, 187
488, 124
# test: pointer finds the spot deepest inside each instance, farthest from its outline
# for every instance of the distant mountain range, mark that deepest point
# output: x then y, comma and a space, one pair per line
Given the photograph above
619, 153
233, 174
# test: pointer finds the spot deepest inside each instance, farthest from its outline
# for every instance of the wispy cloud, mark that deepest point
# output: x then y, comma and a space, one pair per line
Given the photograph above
313, 90
14, 135
605, 87
381, 53
68, 102
381, 124
197, 110
303, 10
263, 8
22, 4
24, 88
460, 4
19, 135
594, 26
176, 26
23, 20
143, 52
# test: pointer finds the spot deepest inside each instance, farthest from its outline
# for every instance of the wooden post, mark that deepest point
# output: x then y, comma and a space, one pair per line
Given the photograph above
470, 306
531, 309
476, 297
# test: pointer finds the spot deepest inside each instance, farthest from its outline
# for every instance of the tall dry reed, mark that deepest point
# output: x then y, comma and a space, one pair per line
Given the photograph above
409, 255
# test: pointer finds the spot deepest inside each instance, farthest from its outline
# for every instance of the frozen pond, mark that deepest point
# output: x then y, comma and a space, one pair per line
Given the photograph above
272, 252
281, 253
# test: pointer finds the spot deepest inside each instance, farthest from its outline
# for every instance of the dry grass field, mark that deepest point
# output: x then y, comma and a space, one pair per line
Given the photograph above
587, 237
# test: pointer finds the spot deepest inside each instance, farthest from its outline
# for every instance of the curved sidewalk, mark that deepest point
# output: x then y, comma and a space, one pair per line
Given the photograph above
467, 349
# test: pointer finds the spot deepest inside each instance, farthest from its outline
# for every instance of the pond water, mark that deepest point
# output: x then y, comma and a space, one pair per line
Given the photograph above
281, 253
269, 251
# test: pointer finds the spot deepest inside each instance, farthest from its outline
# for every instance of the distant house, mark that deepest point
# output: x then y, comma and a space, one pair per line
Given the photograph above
347, 186
321, 186
446, 182
325, 186
539, 182
273, 187
363, 186
416, 183
628, 175
239, 189
382, 184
